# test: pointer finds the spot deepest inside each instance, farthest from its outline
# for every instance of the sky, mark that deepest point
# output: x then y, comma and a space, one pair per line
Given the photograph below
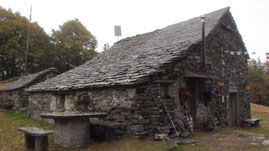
141, 16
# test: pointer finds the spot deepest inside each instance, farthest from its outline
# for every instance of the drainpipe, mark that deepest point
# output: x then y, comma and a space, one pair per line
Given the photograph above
203, 41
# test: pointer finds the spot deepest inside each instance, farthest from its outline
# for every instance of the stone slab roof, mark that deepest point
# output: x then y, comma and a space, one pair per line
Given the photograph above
133, 59
7, 82
24, 81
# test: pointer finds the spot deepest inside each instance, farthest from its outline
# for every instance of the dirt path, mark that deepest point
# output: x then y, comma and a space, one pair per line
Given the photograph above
2, 113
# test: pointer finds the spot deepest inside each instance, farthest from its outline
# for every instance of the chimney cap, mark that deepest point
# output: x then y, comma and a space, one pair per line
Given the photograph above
202, 17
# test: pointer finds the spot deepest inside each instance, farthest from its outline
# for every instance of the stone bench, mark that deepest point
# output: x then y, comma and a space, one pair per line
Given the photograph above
96, 121
253, 122
36, 138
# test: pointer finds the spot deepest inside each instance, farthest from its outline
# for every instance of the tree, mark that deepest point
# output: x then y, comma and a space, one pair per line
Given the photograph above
42, 52
105, 47
255, 70
259, 82
74, 45
13, 39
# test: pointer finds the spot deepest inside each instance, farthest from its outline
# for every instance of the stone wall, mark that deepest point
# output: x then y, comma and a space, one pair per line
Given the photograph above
231, 69
116, 101
17, 99
7, 100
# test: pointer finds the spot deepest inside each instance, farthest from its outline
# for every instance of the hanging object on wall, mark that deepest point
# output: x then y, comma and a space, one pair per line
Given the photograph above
222, 99
267, 55
221, 84
238, 52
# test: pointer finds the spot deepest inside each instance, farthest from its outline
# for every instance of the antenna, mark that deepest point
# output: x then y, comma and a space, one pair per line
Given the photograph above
27, 42
117, 31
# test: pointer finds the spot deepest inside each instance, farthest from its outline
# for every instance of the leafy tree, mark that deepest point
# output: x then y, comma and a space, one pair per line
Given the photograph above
105, 47
259, 82
13, 39
255, 70
74, 45
42, 52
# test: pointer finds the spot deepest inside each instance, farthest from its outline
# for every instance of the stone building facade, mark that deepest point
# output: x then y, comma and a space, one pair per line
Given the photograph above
13, 96
141, 79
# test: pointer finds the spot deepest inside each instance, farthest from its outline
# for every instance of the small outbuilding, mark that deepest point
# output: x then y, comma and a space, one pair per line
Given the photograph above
12, 94
174, 70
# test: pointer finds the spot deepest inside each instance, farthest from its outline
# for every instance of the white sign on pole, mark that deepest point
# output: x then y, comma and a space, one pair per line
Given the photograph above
117, 31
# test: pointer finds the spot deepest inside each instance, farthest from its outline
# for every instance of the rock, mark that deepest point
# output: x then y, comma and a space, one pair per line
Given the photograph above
265, 142
185, 134
185, 141
23, 109
258, 138
160, 136
136, 128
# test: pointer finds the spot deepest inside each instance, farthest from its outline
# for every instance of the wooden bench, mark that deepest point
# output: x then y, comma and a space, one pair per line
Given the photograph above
253, 122
36, 138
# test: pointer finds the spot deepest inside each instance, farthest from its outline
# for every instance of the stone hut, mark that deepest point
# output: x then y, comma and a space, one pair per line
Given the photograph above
12, 94
141, 79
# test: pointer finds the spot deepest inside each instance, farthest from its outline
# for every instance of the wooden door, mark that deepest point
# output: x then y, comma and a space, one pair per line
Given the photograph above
192, 86
233, 110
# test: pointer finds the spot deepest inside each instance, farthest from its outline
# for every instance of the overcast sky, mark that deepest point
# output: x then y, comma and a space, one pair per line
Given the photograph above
140, 16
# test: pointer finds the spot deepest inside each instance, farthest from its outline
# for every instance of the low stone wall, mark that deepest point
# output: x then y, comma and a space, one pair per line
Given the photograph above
137, 114
10, 100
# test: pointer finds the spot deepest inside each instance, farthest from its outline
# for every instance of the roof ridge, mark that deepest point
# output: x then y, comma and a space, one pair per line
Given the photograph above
22, 80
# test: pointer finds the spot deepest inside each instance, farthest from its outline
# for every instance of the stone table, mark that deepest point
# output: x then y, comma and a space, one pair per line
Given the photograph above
71, 129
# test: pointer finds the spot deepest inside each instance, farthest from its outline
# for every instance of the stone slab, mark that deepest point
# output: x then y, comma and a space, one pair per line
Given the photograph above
96, 121
71, 115
253, 120
265, 142
34, 131
185, 141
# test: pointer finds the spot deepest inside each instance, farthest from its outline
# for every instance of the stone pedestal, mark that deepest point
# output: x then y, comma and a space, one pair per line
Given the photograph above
72, 132
71, 129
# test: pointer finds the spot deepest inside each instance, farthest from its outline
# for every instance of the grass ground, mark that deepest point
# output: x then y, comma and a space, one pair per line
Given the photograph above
224, 139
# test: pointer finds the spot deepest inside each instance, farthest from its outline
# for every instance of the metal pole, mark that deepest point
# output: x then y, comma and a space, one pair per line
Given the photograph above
27, 42
171, 120
27, 49
203, 40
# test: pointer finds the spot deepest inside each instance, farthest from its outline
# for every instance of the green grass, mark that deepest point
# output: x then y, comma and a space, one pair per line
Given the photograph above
10, 138
223, 138
18, 116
